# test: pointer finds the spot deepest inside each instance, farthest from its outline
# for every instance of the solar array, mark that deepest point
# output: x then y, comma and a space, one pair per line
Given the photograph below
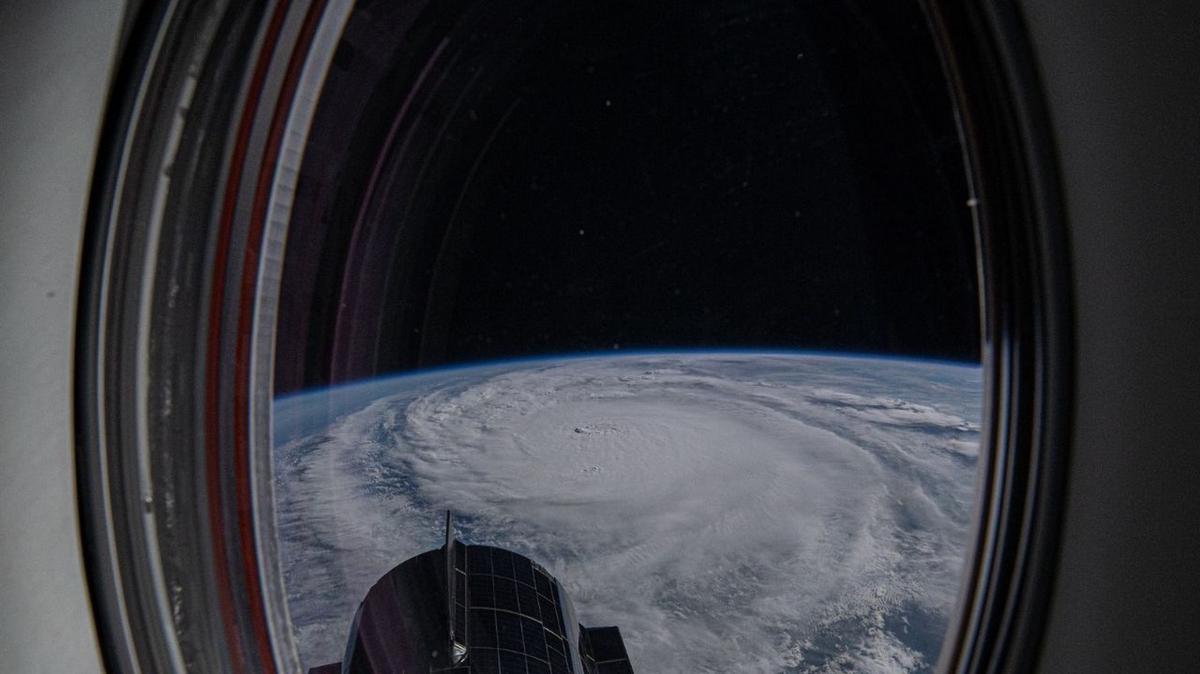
516, 618
603, 651
480, 610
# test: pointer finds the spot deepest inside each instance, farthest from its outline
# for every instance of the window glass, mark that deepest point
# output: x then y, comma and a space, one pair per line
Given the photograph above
677, 302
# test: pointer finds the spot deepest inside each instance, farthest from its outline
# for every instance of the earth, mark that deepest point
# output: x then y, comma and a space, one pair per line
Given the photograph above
730, 512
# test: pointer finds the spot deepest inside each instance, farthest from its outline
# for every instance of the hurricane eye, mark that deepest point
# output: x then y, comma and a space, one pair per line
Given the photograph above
676, 302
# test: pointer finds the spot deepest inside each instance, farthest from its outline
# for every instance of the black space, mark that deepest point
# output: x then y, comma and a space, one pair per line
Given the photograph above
628, 175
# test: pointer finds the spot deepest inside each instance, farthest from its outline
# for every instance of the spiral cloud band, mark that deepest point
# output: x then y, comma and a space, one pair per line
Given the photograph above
745, 512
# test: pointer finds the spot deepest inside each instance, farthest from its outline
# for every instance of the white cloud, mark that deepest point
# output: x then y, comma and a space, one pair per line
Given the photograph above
758, 504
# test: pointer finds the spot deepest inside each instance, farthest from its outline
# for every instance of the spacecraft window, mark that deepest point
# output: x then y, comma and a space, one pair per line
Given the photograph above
700, 319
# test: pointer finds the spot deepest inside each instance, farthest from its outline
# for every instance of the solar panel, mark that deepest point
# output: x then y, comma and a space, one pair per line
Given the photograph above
523, 569
506, 593
508, 631
499, 613
502, 563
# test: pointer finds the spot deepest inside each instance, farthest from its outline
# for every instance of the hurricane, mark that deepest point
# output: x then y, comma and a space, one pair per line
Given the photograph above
731, 512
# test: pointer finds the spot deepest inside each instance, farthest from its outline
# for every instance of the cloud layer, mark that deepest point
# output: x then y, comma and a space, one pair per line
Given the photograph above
751, 513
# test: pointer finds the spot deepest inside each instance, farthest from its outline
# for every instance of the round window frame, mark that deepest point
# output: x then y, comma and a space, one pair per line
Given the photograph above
151, 583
